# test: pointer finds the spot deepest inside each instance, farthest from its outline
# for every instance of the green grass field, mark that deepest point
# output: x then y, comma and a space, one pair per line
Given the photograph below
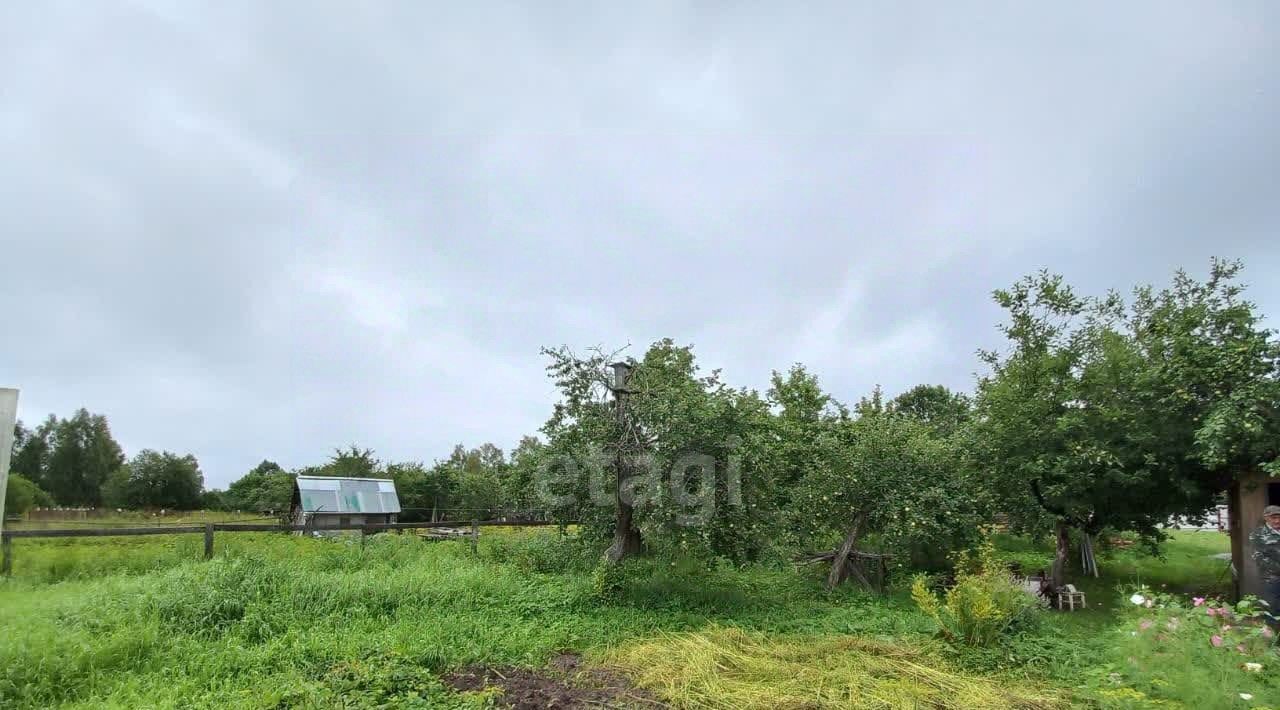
282, 621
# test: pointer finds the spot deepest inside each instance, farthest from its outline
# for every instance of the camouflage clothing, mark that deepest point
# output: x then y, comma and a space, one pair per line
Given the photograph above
1266, 552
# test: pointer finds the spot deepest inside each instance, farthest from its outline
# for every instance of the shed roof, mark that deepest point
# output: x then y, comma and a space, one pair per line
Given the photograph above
325, 494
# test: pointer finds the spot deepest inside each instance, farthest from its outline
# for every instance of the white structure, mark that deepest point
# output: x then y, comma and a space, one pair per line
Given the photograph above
1219, 518
326, 502
8, 420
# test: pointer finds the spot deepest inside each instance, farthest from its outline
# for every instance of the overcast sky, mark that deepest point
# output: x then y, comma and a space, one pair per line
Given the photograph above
253, 230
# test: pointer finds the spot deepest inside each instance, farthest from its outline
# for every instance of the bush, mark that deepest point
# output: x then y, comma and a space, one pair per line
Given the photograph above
22, 495
542, 551
983, 605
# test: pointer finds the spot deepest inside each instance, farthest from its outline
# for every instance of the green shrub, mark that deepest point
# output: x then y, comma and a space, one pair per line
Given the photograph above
21, 495
983, 605
543, 551
609, 581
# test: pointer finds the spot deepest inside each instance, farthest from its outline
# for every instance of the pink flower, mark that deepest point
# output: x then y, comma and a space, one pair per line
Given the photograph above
1216, 640
1198, 601
1146, 624
1240, 648
1210, 611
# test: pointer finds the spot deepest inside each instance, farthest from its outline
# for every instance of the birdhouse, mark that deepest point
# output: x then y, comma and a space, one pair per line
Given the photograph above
621, 374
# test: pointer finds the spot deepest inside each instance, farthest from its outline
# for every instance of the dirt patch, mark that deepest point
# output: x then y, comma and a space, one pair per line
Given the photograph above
564, 686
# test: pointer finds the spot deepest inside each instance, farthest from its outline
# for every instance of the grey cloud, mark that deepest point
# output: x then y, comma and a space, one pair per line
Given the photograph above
253, 230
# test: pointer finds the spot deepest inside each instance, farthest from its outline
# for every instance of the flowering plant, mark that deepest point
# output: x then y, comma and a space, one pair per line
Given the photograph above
1241, 626
1174, 647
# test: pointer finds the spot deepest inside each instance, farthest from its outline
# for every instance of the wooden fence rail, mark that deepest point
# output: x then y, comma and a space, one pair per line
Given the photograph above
7, 536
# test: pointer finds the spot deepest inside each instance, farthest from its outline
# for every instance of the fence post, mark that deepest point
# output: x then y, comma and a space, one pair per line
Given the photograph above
475, 535
208, 541
6, 566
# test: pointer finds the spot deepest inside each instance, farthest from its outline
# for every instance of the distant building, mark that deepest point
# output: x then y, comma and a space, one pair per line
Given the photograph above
1218, 518
327, 502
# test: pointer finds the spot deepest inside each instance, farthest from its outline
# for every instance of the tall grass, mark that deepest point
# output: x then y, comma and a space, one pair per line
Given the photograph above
274, 615
283, 621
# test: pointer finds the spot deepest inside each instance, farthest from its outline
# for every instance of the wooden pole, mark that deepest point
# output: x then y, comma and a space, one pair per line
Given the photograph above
6, 566
475, 535
208, 541
626, 537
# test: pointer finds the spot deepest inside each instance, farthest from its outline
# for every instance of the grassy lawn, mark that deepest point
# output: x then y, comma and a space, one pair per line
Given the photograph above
1185, 565
282, 621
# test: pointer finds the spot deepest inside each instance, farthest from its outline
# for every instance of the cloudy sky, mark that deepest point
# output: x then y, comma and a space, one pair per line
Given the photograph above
253, 230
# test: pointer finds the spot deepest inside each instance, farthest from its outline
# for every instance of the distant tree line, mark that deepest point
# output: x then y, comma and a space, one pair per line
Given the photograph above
76, 462
479, 482
1099, 413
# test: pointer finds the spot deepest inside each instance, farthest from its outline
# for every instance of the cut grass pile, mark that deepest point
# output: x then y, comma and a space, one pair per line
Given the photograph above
738, 670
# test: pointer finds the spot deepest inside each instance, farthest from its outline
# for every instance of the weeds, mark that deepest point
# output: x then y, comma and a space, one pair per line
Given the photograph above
283, 621
983, 605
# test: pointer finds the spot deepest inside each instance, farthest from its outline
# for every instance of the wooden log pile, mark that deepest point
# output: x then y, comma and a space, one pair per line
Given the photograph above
870, 569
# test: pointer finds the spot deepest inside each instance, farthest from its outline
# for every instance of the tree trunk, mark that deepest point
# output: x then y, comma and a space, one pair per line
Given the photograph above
1059, 574
626, 538
839, 565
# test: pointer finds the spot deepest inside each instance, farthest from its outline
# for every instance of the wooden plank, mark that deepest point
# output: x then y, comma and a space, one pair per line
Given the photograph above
6, 566
254, 527
208, 541
105, 532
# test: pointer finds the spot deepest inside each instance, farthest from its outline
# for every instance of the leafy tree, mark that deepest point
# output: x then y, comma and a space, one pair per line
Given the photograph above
1112, 415
478, 479
518, 485
22, 495
31, 449
679, 469
890, 477
352, 462
213, 499
935, 405
417, 489
155, 479
470, 483
266, 486
81, 454
804, 415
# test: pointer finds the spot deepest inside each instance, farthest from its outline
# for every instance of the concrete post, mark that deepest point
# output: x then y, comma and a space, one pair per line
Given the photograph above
8, 419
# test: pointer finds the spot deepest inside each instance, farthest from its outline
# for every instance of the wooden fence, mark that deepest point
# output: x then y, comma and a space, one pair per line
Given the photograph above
7, 536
